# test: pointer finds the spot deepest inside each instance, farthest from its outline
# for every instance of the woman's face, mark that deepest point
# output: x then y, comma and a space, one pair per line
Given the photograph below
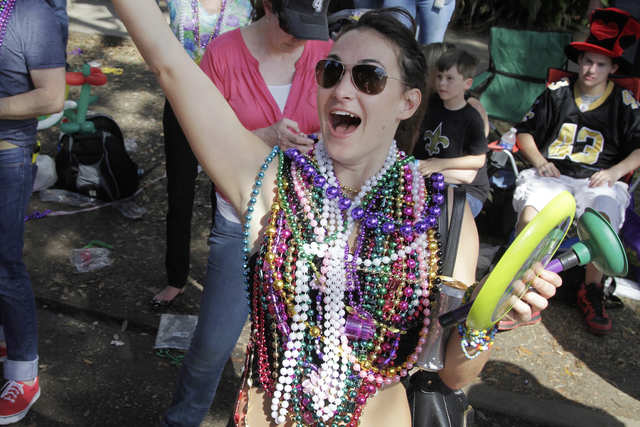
279, 38
358, 128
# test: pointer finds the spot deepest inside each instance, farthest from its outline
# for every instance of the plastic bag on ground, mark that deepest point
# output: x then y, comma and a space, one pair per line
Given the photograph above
46, 175
90, 259
130, 209
175, 331
68, 198
131, 145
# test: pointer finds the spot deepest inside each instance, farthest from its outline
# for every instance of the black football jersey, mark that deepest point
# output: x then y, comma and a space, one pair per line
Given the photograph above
579, 142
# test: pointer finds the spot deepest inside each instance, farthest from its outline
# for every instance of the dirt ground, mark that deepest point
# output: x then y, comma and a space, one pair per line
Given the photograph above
556, 359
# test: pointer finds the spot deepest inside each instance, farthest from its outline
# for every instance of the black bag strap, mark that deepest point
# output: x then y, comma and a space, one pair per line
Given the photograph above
451, 231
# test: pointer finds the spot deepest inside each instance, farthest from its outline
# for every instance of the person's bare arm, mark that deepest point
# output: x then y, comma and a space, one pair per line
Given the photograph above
614, 173
229, 153
530, 151
475, 103
456, 170
46, 97
459, 371
459, 176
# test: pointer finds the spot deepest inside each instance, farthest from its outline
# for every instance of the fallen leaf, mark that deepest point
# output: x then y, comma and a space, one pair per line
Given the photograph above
524, 351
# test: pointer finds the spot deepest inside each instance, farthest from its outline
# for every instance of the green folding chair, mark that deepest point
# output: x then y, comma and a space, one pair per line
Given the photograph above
518, 63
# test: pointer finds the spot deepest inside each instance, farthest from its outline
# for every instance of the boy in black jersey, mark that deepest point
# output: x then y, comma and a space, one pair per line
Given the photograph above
452, 140
583, 135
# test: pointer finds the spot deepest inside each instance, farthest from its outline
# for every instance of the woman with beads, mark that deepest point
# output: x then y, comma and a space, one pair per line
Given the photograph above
267, 76
337, 283
194, 23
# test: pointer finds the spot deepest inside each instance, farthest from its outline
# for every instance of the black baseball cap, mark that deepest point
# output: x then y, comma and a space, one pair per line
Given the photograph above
305, 19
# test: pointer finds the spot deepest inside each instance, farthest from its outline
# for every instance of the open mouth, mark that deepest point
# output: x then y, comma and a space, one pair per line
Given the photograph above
344, 122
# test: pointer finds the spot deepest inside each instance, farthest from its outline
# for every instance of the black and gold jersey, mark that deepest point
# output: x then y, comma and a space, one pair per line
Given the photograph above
579, 137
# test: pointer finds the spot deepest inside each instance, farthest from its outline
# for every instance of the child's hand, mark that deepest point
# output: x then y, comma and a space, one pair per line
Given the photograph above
602, 177
428, 166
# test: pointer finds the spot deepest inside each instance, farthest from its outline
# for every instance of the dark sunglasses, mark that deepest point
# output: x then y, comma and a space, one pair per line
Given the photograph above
368, 78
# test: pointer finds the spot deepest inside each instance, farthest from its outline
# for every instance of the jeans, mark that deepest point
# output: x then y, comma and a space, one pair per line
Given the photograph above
223, 311
475, 204
432, 21
182, 169
17, 303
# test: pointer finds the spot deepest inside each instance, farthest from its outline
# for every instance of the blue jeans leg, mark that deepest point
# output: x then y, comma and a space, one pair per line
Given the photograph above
433, 21
366, 4
409, 5
475, 204
223, 311
17, 303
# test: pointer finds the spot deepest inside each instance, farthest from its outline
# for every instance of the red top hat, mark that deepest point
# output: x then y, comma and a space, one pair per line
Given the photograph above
611, 32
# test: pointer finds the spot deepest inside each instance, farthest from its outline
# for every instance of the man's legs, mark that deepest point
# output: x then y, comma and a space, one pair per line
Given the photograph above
525, 217
17, 303
533, 192
223, 311
611, 202
433, 21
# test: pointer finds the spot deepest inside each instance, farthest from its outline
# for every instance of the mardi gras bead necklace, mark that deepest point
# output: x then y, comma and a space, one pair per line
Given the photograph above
201, 42
330, 319
6, 7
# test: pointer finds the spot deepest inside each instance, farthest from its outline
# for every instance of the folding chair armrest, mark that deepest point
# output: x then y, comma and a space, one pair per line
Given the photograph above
633, 183
495, 146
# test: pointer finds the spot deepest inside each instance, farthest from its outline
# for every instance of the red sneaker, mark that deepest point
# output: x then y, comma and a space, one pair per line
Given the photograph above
16, 398
508, 324
591, 303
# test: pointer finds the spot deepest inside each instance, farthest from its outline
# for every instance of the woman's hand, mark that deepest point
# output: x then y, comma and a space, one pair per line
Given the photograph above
286, 133
543, 286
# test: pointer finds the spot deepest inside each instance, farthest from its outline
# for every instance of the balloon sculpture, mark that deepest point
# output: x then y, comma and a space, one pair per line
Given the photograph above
77, 120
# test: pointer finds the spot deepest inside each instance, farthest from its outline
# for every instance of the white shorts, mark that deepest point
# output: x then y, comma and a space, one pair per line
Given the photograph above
536, 191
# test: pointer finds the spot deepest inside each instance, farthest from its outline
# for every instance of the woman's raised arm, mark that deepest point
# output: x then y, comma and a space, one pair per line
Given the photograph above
228, 152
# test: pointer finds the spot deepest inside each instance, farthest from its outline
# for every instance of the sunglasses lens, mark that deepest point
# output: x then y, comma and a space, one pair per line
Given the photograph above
370, 79
328, 73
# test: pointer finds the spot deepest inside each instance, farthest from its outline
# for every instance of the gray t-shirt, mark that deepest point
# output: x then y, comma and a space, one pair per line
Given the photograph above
33, 41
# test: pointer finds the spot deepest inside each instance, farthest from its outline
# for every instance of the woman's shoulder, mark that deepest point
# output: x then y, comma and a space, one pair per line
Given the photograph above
225, 50
227, 39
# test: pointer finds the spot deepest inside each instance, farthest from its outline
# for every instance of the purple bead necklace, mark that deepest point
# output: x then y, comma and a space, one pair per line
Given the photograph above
6, 7
196, 24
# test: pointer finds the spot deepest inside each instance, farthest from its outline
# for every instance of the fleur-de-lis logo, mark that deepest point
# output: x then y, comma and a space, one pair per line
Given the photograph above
317, 5
434, 140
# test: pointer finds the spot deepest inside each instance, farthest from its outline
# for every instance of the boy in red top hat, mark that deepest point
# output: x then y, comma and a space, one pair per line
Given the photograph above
583, 135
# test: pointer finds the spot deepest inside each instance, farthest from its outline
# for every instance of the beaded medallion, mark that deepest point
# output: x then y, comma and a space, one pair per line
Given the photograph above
334, 317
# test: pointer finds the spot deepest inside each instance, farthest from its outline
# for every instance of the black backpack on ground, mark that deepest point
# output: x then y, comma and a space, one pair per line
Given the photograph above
97, 164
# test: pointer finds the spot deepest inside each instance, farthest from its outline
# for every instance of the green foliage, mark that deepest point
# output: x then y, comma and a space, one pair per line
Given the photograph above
556, 15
